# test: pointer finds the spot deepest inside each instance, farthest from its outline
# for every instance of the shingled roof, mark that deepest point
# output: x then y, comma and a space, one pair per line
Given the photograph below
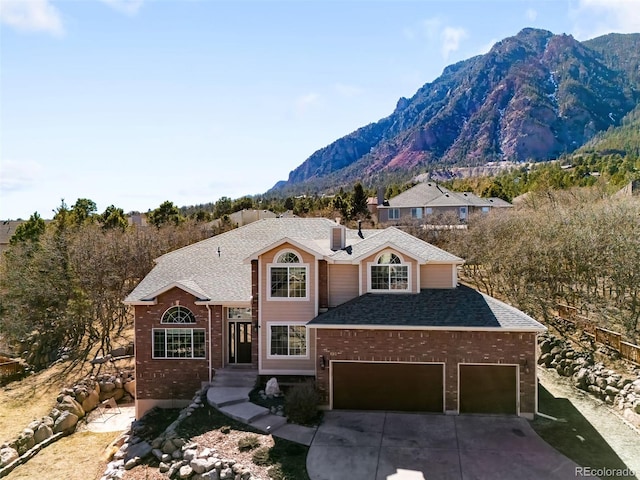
218, 270
458, 308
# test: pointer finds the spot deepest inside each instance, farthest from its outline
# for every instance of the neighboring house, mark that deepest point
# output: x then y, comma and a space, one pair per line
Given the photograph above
428, 200
375, 316
631, 189
7, 229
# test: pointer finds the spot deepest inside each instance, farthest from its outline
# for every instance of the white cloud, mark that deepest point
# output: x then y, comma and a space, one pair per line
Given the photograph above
531, 14
305, 102
31, 16
128, 7
17, 176
451, 38
597, 17
347, 91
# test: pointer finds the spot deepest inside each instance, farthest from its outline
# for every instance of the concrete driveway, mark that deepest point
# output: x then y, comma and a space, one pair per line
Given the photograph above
402, 446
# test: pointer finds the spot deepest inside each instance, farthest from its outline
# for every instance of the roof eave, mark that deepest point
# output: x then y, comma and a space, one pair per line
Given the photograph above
428, 327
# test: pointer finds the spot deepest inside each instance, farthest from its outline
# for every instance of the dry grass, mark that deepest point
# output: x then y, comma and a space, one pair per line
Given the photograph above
77, 457
33, 397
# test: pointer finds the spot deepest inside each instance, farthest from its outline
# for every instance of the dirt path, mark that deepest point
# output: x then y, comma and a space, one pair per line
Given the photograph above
622, 438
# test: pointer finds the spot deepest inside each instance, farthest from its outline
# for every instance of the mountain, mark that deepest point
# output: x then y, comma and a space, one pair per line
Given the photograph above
533, 96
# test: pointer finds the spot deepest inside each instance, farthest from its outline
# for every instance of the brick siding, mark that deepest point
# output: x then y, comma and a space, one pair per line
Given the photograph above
166, 379
449, 347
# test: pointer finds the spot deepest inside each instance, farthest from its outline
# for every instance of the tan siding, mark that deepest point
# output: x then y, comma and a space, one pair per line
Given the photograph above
343, 284
287, 311
306, 364
436, 276
372, 259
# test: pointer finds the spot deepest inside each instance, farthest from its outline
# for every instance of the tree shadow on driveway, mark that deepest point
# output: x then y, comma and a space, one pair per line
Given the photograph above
577, 439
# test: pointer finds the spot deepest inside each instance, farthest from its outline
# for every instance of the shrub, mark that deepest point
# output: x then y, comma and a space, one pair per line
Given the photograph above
249, 442
301, 403
262, 456
225, 429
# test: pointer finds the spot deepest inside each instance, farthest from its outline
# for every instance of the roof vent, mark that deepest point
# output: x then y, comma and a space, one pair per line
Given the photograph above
338, 237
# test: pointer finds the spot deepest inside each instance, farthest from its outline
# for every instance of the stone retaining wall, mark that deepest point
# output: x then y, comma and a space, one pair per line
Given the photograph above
72, 404
614, 388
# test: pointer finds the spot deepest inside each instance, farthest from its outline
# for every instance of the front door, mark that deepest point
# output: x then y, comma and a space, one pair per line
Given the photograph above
239, 342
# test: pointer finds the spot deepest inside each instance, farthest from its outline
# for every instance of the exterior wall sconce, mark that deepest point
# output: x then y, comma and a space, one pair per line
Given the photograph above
525, 366
322, 362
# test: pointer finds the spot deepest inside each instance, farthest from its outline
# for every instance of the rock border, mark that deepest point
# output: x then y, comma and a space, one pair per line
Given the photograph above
179, 458
72, 404
614, 388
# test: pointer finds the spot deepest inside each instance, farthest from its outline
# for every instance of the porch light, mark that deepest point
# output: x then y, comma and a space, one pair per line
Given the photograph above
322, 362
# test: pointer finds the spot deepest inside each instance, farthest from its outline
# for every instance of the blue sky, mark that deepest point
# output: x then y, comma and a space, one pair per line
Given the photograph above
133, 102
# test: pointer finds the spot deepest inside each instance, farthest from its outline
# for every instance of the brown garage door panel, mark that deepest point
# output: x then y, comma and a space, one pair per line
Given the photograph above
488, 389
387, 386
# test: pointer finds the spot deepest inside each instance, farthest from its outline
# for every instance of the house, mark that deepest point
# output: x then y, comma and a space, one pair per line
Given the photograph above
376, 317
428, 200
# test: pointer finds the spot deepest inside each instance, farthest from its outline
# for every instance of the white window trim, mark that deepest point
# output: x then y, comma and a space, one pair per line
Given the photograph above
402, 263
280, 265
270, 356
153, 356
162, 322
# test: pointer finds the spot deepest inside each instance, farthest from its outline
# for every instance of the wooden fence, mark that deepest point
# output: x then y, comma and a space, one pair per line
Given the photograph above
570, 318
9, 367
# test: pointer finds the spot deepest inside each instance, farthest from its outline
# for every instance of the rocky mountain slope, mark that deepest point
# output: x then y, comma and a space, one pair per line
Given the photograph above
534, 96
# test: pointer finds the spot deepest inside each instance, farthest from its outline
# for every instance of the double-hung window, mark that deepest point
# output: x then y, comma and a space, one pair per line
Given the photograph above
287, 340
287, 277
394, 214
389, 273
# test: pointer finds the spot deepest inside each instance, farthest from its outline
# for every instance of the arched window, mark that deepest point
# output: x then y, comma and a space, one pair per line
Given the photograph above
288, 277
178, 314
389, 273
287, 257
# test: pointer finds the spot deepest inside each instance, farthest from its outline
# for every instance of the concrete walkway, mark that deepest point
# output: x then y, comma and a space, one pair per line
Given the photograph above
229, 394
397, 446
109, 420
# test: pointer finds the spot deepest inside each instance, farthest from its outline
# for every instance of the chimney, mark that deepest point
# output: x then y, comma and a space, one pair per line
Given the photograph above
338, 237
381, 195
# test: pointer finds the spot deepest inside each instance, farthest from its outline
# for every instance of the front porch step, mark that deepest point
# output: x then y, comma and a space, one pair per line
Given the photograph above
222, 396
245, 412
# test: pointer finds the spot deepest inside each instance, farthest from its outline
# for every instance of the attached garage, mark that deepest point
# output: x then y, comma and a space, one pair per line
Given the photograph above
488, 389
409, 387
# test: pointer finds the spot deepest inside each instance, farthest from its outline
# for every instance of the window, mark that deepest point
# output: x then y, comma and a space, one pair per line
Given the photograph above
428, 210
288, 340
416, 213
288, 277
235, 313
388, 273
178, 343
394, 213
485, 209
178, 314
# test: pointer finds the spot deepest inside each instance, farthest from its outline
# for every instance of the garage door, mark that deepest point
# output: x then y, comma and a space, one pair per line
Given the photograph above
407, 387
488, 389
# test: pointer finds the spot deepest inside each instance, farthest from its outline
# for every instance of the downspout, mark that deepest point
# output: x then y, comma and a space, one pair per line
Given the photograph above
210, 342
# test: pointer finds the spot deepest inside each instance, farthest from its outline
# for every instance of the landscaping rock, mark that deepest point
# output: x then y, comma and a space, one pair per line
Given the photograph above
66, 422
69, 404
42, 433
7, 456
272, 389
